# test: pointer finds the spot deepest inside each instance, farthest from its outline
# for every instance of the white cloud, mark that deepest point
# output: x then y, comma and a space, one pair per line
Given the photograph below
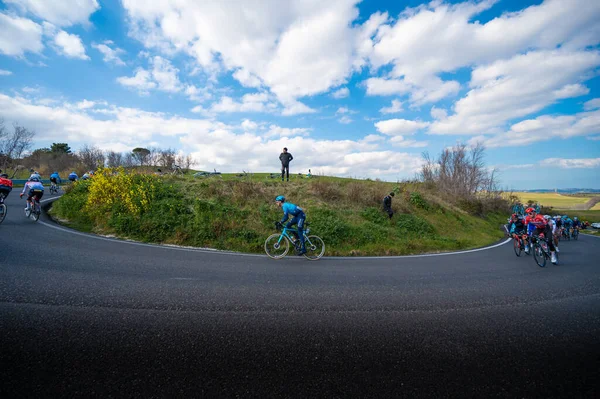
341, 93
253, 102
110, 55
594, 138
440, 37
438, 113
4, 72
248, 125
400, 141
246, 78
342, 110
19, 35
393, 109
142, 81
162, 76
281, 41
394, 127
544, 128
209, 141
582, 163
70, 45
61, 13
514, 88
345, 120
295, 108
592, 104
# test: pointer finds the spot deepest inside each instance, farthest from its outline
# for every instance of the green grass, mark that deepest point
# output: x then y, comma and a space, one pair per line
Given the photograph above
237, 214
590, 216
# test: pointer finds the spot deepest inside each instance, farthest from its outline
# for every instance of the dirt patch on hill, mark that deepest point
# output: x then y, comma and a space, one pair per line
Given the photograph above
587, 206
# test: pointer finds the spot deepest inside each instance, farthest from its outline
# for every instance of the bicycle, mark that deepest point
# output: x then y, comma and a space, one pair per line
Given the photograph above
565, 234
36, 211
575, 234
3, 208
541, 251
278, 245
519, 244
54, 188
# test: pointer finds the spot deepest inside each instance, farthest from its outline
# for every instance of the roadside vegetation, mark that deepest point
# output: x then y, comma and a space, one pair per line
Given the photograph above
237, 211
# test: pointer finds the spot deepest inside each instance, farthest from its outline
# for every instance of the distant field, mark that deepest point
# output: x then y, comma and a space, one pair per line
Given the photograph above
590, 216
558, 201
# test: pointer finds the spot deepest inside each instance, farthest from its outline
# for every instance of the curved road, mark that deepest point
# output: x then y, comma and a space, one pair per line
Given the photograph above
83, 316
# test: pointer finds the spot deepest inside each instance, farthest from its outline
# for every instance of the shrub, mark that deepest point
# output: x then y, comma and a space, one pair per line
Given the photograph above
326, 224
408, 224
417, 200
374, 215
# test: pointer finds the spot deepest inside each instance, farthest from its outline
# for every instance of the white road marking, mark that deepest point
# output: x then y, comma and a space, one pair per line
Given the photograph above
212, 250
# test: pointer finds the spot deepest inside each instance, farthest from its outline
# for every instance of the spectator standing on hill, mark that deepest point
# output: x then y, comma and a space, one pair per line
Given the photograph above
285, 157
387, 204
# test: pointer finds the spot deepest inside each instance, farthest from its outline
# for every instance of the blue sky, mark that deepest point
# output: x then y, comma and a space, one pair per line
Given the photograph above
352, 88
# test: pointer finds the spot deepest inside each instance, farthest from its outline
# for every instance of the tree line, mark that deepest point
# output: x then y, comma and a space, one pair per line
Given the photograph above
16, 154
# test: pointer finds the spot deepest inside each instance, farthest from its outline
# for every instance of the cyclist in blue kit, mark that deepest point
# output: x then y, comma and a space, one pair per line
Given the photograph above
298, 219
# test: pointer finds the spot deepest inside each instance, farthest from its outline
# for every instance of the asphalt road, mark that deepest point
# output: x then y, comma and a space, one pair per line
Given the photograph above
82, 316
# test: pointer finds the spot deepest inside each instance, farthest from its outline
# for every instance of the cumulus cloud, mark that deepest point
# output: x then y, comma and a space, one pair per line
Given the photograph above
592, 104
439, 37
544, 128
393, 109
209, 141
19, 35
395, 127
581, 163
110, 55
70, 45
517, 87
163, 76
252, 102
281, 41
341, 93
60, 13
4, 72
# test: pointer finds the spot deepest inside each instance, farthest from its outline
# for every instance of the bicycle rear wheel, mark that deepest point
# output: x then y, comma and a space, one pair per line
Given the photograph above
276, 249
538, 255
575, 234
517, 246
3, 210
315, 248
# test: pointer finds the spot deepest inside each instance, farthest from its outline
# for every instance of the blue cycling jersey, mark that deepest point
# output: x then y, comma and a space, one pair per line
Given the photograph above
290, 209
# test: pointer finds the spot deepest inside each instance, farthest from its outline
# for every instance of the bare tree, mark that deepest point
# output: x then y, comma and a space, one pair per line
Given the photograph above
185, 162
459, 171
167, 158
114, 159
12, 146
129, 160
91, 157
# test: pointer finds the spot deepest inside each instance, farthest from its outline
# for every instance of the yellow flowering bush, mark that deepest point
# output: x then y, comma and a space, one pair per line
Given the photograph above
111, 189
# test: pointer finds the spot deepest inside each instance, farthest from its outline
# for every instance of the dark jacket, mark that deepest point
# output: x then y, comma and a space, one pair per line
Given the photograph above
285, 158
387, 201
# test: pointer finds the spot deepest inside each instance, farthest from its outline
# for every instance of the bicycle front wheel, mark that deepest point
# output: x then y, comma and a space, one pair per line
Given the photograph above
3, 210
315, 248
517, 246
538, 255
276, 249
575, 234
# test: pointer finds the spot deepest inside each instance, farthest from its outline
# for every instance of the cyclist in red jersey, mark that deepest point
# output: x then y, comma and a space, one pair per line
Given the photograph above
538, 225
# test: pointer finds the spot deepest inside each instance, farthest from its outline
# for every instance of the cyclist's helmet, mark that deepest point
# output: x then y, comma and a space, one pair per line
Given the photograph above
513, 216
558, 216
530, 210
520, 217
547, 217
4, 175
575, 218
280, 198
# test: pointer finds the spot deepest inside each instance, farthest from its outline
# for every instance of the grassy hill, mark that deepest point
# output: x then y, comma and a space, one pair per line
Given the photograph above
237, 213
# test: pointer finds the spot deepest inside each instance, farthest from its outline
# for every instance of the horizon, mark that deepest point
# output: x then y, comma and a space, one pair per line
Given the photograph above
353, 89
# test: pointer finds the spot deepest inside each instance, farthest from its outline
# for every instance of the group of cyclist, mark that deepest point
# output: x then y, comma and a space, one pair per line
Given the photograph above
34, 187
546, 227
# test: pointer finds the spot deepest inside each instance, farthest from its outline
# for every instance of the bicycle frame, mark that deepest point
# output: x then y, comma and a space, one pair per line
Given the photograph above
284, 233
